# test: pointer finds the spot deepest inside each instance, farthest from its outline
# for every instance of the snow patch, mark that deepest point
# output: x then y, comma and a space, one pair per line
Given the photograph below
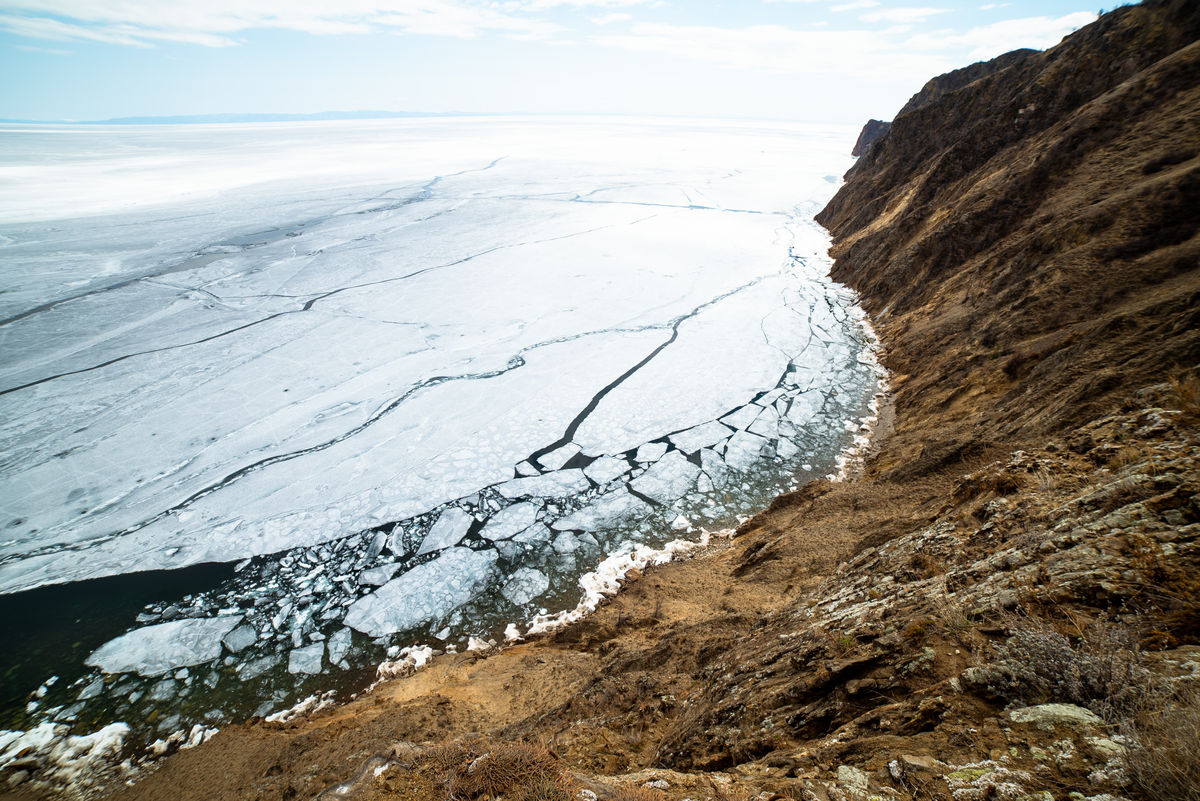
606, 579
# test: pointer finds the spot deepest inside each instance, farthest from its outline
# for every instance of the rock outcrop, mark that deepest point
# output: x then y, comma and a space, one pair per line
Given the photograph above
957, 79
871, 133
1028, 240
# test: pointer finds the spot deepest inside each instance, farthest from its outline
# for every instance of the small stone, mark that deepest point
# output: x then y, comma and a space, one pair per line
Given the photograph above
853, 777
1047, 716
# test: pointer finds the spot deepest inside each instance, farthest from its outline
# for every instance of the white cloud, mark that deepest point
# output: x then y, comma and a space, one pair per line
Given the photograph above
989, 41
609, 19
776, 49
534, 5
214, 22
854, 6
34, 49
902, 16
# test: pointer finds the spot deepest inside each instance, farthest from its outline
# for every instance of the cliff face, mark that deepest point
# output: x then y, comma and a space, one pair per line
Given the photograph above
957, 79
871, 133
1028, 239
1028, 533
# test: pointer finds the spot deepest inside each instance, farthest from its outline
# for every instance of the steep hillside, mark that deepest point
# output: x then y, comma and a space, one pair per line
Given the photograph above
1027, 241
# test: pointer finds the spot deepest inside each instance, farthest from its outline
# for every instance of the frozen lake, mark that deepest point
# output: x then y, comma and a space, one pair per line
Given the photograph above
414, 377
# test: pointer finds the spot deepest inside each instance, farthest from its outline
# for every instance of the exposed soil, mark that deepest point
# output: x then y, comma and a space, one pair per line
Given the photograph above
1027, 244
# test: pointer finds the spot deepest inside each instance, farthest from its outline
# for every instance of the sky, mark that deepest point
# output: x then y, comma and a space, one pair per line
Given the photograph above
810, 60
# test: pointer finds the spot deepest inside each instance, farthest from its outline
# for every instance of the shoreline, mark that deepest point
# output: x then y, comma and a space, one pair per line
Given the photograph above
91, 758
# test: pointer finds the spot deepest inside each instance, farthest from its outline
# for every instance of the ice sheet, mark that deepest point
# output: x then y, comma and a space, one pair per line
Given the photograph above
227, 341
407, 375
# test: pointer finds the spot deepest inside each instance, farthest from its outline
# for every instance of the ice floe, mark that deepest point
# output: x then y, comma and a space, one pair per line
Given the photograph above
667, 479
162, 648
449, 529
613, 509
509, 521
423, 594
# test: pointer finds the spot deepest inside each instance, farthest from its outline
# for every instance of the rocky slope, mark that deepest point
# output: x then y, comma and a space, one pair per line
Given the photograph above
871, 133
1011, 580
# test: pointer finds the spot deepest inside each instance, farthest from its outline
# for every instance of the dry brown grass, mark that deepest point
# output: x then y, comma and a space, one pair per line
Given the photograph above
1163, 760
1185, 394
625, 792
480, 769
1138, 458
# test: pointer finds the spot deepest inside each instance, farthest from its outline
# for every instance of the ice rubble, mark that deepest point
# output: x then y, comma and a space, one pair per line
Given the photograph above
65, 760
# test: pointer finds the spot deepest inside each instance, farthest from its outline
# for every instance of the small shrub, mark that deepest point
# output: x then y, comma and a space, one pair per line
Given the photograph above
1163, 759
1102, 670
915, 630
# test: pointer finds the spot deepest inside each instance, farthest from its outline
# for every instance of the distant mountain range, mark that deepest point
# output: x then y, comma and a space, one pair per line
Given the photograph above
193, 119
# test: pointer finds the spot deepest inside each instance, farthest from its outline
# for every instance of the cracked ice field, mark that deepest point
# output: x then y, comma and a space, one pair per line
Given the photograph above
538, 339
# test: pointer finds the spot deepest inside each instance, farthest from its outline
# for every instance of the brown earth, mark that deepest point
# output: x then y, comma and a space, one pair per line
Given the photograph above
1027, 246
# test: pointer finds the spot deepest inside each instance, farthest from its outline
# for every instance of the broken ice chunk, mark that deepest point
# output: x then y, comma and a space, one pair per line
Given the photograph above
534, 535
525, 585
702, 436
743, 417
165, 647
509, 521
565, 543
744, 450
557, 458
805, 407
606, 468
339, 645
561, 484
307, 659
377, 576
240, 638
714, 467
650, 452
451, 526
423, 594
607, 510
92, 690
526, 469
767, 424
770, 397
787, 449
667, 479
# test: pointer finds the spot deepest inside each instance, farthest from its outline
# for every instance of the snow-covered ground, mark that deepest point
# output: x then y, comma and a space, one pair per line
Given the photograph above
425, 371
